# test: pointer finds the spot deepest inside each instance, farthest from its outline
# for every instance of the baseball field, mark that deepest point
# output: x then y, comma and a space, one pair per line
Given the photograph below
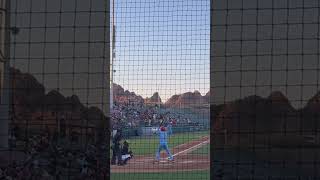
190, 150
200, 175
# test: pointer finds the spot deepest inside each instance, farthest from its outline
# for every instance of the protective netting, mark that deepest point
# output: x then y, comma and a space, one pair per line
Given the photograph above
265, 83
54, 89
160, 79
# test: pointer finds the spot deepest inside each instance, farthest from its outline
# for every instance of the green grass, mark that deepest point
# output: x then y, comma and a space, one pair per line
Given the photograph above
148, 145
202, 150
193, 175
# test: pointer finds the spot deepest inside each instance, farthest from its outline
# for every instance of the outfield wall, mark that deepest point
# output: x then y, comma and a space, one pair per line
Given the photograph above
149, 131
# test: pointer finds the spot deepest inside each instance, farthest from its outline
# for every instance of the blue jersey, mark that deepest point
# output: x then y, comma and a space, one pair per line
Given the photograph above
163, 137
170, 129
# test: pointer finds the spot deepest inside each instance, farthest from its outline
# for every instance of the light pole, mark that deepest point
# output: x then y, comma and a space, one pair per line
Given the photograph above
113, 56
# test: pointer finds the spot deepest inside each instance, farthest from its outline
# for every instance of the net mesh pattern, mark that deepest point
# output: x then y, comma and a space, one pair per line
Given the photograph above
54, 89
261, 56
161, 78
265, 83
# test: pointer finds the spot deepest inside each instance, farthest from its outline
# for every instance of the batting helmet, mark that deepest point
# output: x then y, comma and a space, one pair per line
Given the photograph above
162, 128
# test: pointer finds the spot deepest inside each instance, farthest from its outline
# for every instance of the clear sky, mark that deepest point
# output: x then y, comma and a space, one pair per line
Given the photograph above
163, 46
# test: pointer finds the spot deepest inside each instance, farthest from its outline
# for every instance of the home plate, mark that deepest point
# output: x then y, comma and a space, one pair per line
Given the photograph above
184, 162
163, 161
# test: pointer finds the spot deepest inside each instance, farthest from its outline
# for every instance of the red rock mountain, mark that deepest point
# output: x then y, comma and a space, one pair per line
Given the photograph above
188, 99
182, 100
256, 120
154, 99
33, 106
124, 96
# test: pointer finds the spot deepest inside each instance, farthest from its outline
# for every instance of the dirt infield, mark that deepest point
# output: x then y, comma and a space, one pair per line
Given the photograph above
184, 161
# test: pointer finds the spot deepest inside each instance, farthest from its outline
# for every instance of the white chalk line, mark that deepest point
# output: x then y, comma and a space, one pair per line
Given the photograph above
191, 148
184, 151
177, 147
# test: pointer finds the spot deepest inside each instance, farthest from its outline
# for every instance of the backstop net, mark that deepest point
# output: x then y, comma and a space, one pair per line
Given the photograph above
54, 68
160, 89
265, 79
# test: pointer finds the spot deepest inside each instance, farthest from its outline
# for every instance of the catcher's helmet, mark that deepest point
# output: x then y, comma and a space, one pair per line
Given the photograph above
125, 142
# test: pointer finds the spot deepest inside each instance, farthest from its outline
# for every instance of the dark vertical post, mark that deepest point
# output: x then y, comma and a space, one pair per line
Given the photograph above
4, 70
102, 125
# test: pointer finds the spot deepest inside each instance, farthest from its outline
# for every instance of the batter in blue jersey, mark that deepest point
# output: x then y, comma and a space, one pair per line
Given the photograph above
163, 145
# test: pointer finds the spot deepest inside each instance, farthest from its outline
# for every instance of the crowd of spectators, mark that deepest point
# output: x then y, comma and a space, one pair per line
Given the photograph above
134, 115
46, 159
